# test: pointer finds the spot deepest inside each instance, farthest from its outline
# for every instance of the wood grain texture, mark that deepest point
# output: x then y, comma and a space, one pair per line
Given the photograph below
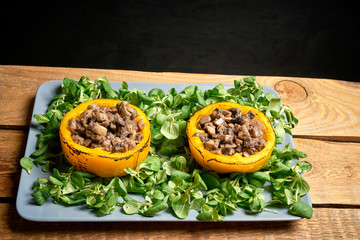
327, 110
332, 179
321, 111
12, 148
336, 171
327, 223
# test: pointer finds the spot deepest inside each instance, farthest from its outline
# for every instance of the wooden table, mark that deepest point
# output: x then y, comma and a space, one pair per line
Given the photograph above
328, 130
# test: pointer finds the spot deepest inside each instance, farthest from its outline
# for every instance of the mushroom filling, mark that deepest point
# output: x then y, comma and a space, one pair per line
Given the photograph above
112, 129
229, 131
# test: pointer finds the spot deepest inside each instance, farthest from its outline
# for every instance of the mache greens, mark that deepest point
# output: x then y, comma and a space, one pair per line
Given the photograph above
169, 178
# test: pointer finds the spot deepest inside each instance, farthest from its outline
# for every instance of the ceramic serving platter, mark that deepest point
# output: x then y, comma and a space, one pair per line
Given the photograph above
58, 213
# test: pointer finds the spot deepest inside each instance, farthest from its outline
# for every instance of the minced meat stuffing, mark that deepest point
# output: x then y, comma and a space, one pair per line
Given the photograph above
112, 129
229, 131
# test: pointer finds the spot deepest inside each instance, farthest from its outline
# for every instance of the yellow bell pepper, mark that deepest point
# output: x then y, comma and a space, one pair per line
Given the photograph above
95, 160
226, 163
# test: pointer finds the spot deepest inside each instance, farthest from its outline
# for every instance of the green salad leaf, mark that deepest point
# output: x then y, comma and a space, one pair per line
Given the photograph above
27, 164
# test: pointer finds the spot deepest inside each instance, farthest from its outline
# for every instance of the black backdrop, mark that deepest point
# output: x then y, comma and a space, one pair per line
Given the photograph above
277, 38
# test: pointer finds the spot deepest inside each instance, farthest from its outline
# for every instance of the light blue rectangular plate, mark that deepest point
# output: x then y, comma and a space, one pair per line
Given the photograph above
58, 213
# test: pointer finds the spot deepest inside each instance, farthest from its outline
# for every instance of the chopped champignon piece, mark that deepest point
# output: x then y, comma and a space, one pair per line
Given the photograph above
198, 134
101, 116
141, 124
72, 125
85, 117
249, 142
229, 131
123, 109
245, 154
209, 144
216, 151
226, 138
87, 142
225, 113
139, 136
228, 151
78, 139
219, 121
251, 114
256, 123
95, 145
112, 129
106, 145
254, 132
211, 129
205, 120
243, 132
253, 151
98, 129
93, 106
113, 110
110, 136
244, 120
235, 112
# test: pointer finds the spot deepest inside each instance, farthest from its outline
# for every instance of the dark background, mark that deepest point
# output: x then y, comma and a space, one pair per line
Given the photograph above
273, 38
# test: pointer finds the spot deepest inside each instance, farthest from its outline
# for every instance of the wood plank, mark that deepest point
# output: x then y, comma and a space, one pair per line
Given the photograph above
327, 223
12, 144
332, 179
325, 108
336, 170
